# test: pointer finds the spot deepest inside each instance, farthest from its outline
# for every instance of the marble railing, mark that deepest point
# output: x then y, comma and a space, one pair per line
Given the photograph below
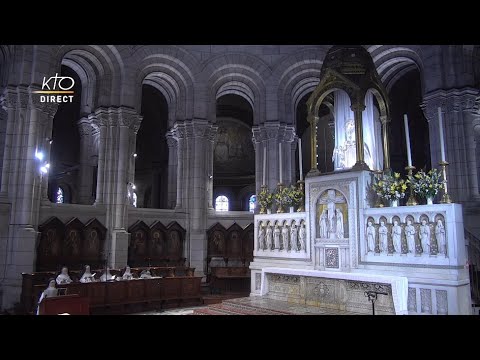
281, 235
427, 234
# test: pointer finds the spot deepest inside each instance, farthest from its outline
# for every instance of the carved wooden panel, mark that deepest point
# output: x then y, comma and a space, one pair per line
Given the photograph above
234, 242
50, 244
175, 243
248, 243
138, 246
158, 245
216, 236
94, 242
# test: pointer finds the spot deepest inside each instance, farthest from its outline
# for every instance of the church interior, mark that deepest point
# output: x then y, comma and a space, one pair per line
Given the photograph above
240, 179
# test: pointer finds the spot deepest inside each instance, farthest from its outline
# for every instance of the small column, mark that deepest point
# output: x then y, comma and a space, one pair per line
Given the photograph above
179, 133
212, 135
313, 120
357, 114
172, 168
86, 170
386, 144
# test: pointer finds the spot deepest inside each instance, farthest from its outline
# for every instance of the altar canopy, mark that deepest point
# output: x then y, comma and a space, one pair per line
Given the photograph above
344, 153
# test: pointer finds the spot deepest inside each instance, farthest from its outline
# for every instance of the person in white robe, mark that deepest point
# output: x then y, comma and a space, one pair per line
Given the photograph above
107, 276
87, 276
127, 275
63, 277
50, 291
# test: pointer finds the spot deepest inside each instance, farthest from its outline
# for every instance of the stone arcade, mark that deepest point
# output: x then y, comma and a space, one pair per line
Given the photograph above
159, 157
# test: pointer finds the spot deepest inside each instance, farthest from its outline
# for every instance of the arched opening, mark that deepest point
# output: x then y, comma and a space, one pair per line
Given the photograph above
151, 162
252, 202
234, 156
65, 146
221, 203
406, 97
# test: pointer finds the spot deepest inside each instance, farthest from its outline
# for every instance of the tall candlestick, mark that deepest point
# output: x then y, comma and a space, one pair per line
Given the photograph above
280, 160
440, 128
264, 163
407, 139
300, 158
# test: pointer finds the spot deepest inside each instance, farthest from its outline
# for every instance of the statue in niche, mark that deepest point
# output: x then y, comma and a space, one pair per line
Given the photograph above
73, 242
323, 225
339, 222
397, 237
440, 237
217, 242
87, 275
63, 277
331, 220
425, 236
276, 237
410, 236
293, 236
139, 244
269, 236
383, 237
285, 236
370, 237
261, 237
302, 235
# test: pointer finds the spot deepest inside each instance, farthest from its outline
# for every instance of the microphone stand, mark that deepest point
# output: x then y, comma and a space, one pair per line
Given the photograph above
372, 297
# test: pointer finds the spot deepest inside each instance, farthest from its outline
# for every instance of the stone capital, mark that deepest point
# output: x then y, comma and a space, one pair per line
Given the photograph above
84, 127
171, 140
454, 100
357, 107
9, 100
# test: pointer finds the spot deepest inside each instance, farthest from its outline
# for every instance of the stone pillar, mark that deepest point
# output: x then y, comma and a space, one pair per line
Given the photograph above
259, 139
313, 121
117, 128
179, 134
27, 121
86, 169
172, 168
293, 160
357, 114
386, 144
459, 113
212, 134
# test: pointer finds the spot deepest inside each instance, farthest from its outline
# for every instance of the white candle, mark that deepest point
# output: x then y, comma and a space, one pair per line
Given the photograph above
280, 160
300, 158
440, 128
264, 163
407, 139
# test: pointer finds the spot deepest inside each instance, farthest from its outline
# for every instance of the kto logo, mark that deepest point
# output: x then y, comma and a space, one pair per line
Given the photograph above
57, 87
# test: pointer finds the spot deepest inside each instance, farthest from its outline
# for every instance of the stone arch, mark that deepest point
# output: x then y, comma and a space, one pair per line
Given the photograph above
239, 74
294, 77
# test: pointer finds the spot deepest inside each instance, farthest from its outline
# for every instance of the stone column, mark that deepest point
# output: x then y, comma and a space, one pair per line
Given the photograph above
117, 127
260, 140
179, 134
212, 134
313, 121
357, 114
172, 168
386, 144
86, 170
459, 113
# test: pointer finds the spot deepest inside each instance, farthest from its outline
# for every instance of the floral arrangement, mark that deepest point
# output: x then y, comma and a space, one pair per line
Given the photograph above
296, 195
390, 187
265, 198
424, 184
283, 197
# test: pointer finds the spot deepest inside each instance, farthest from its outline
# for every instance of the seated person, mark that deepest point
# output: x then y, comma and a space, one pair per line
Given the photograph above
50, 291
63, 277
87, 275
145, 274
107, 276
127, 275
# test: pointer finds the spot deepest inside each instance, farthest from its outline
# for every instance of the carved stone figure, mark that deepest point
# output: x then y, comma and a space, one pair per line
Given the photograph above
276, 237
339, 225
331, 213
261, 237
87, 275
63, 277
293, 236
440, 237
383, 237
323, 225
302, 234
397, 237
410, 235
285, 236
269, 237
370, 237
425, 237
